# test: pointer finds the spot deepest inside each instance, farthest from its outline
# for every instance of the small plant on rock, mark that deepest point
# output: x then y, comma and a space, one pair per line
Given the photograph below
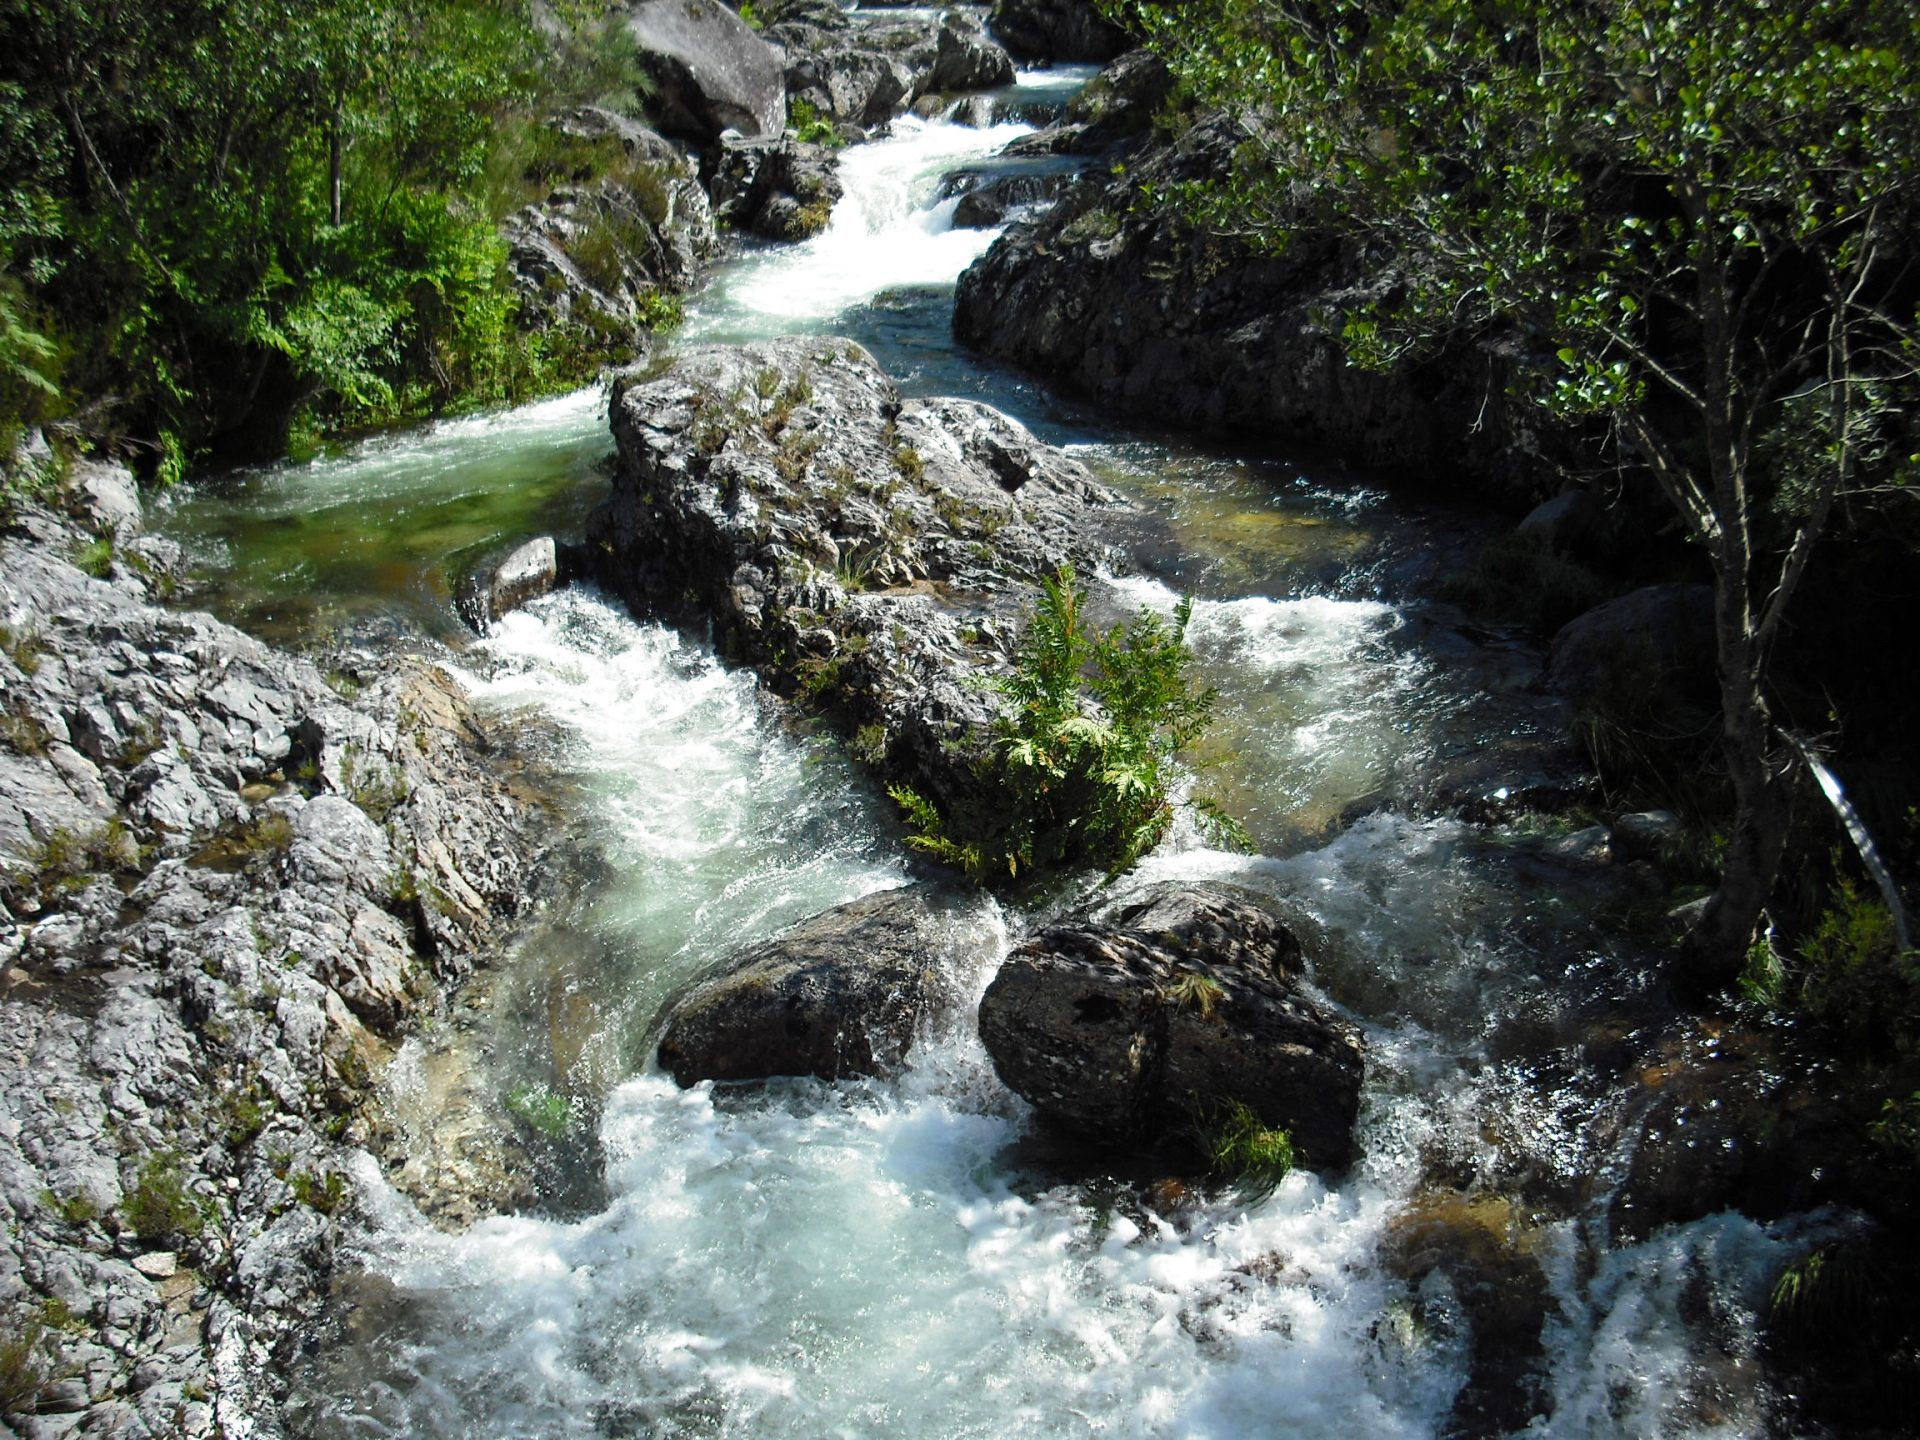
1084, 758
1240, 1147
160, 1206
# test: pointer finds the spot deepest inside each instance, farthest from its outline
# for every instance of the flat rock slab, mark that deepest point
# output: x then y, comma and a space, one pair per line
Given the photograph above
1146, 1023
838, 995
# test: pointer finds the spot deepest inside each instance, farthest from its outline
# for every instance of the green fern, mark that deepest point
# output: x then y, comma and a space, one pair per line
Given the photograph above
1084, 750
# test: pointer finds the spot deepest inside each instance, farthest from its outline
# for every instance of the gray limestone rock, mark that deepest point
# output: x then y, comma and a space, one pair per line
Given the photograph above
711, 71
861, 546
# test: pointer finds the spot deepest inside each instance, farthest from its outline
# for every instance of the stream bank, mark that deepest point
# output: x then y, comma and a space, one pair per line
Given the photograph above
232, 886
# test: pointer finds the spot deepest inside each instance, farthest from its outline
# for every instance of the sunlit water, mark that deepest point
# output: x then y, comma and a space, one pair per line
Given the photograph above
881, 1259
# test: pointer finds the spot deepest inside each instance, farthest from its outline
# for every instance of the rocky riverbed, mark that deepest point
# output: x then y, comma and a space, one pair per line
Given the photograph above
232, 885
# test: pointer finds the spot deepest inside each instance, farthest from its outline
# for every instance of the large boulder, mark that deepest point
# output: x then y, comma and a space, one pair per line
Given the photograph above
710, 71
622, 218
1656, 642
871, 553
864, 68
840, 994
1147, 1021
1053, 30
965, 58
783, 189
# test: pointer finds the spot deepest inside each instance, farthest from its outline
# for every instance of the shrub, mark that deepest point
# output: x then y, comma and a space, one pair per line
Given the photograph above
160, 1206
809, 126
1080, 769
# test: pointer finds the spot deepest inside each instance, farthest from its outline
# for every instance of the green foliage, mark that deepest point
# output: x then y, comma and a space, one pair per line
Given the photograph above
326, 1193
375, 786
1240, 1148
95, 558
1853, 979
235, 212
1689, 221
27, 1362
807, 124
1084, 752
160, 1206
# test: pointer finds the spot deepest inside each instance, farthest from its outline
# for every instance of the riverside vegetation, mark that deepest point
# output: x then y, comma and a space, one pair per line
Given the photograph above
1074, 784
1681, 239
231, 226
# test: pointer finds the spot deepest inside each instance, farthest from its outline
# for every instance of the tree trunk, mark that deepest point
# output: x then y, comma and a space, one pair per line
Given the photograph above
1715, 949
336, 209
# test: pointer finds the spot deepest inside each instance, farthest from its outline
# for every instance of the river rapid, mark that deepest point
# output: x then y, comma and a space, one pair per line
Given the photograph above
881, 1259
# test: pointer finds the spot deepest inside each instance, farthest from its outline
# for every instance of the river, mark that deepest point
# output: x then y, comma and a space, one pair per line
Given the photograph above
880, 1259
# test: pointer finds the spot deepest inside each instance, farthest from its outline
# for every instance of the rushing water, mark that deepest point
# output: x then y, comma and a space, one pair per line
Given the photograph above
871, 1259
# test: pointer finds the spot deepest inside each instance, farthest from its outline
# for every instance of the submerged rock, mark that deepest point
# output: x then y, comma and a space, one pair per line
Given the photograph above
1150, 1020
840, 994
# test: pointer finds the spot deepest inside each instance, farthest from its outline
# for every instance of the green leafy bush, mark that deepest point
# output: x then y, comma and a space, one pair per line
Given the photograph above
808, 125
1082, 760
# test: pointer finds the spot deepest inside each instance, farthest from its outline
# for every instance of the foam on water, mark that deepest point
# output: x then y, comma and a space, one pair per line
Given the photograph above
715, 826
889, 231
1319, 703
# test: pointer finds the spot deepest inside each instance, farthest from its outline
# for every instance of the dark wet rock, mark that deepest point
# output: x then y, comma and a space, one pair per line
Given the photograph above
1655, 643
629, 221
1141, 1023
990, 199
225, 892
1129, 304
841, 994
1485, 1250
1727, 1118
965, 58
782, 189
845, 83
1571, 523
1053, 30
711, 72
1644, 835
863, 549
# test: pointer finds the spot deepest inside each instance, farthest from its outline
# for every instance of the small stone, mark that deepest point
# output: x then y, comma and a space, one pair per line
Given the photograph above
157, 1265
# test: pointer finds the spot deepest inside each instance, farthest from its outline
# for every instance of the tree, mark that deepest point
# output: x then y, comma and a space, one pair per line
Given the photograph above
254, 205
1695, 220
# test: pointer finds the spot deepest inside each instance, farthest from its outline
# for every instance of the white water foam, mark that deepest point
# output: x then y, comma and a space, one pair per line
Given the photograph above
888, 232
